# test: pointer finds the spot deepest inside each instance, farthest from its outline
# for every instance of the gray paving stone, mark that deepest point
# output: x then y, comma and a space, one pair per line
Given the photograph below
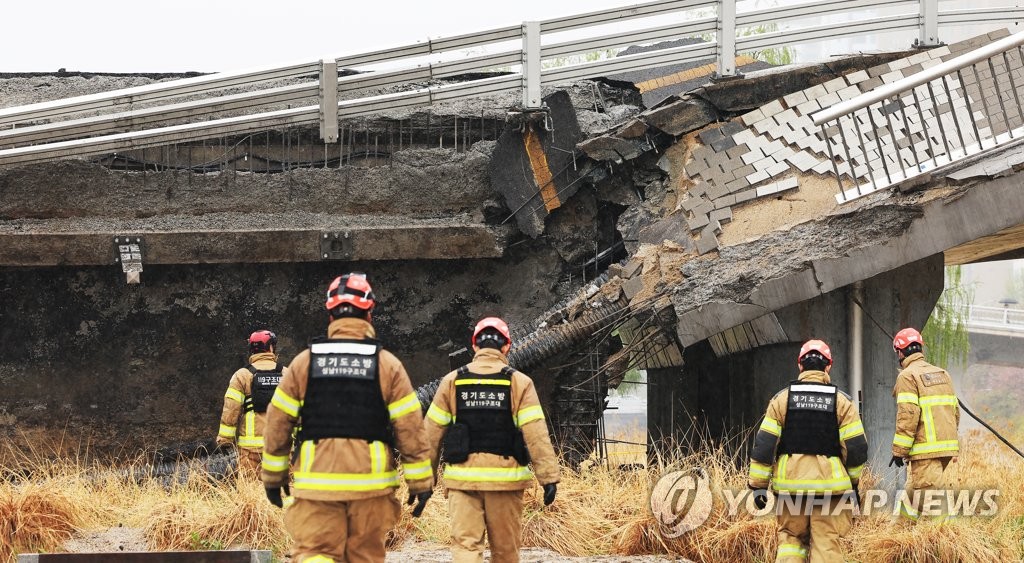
689, 203
878, 70
794, 99
697, 190
722, 215
709, 136
707, 243
697, 222
729, 166
891, 77
835, 84
919, 57
695, 168
732, 127
771, 108
857, 77
870, 84
938, 52
899, 63
737, 150
704, 207
752, 117
759, 141
716, 191
744, 171
724, 204
849, 93
746, 195
737, 185
772, 147
723, 144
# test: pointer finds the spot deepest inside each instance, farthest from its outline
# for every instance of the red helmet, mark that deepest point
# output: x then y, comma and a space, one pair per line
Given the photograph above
905, 338
262, 340
495, 323
815, 346
352, 289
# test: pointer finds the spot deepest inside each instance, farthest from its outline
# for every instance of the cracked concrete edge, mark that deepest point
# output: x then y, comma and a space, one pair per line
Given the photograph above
944, 223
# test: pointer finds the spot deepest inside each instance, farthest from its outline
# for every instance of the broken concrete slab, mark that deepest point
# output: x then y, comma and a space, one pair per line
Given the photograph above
683, 116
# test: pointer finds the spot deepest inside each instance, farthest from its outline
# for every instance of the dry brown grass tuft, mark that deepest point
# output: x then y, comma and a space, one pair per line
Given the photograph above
35, 517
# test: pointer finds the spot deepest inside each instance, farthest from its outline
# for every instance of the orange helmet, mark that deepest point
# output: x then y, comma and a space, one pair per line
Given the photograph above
905, 338
352, 289
261, 341
495, 323
815, 346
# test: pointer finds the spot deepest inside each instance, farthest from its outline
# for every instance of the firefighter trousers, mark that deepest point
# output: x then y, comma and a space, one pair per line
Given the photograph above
250, 463
929, 481
496, 513
802, 524
341, 531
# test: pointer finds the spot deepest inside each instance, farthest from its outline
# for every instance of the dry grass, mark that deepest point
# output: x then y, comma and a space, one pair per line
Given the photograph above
599, 511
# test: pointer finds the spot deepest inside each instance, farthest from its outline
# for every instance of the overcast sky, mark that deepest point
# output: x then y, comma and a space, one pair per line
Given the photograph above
216, 35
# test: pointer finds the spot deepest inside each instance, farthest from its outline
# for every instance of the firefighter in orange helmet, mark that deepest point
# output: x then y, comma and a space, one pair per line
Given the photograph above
353, 402
492, 425
247, 397
927, 419
812, 449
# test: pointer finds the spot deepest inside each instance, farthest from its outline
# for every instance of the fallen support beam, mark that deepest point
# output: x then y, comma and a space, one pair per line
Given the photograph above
85, 244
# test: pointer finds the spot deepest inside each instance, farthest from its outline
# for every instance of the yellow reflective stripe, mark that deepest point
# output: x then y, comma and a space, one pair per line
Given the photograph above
855, 472
310, 481
907, 510
503, 474
234, 395
378, 457
934, 400
319, 559
851, 430
838, 471
227, 431
250, 424
907, 398
932, 447
483, 382
275, 463
405, 405
785, 550
816, 485
249, 439
760, 470
771, 426
288, 405
529, 414
439, 415
306, 454
902, 441
417, 470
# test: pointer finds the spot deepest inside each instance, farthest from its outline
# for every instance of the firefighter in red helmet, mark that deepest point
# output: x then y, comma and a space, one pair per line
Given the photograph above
491, 422
247, 397
811, 449
354, 403
927, 422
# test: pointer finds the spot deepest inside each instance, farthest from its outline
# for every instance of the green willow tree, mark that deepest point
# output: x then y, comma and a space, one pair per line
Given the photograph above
945, 333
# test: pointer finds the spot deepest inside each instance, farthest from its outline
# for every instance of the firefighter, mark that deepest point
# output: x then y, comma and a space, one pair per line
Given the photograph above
927, 419
492, 425
812, 448
248, 395
353, 402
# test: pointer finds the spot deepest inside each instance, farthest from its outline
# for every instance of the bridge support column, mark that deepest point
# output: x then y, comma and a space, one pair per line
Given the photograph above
720, 398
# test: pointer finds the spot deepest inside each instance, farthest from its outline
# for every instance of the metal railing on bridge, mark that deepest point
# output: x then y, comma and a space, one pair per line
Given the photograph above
154, 115
995, 318
958, 108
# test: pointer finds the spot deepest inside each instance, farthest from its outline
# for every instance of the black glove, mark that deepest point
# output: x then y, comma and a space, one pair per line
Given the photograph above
421, 502
760, 498
896, 460
274, 496
549, 493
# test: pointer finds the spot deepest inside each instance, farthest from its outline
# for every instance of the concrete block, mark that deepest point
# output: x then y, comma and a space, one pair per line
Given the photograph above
757, 177
697, 190
744, 171
771, 108
709, 136
743, 136
764, 164
939, 52
696, 167
707, 243
737, 185
752, 156
689, 203
785, 116
815, 92
783, 153
713, 228
761, 127
632, 286
773, 147
849, 93
870, 84
732, 127
704, 207
777, 168
808, 107
766, 190
919, 58
857, 77
752, 117
723, 144
777, 132
729, 166
721, 215
787, 184
899, 63
697, 222
724, 203
829, 99
794, 99
878, 70
718, 190
737, 151
745, 196
835, 84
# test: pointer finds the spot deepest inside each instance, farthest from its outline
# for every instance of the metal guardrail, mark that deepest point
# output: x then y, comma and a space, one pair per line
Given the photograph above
957, 108
57, 129
995, 318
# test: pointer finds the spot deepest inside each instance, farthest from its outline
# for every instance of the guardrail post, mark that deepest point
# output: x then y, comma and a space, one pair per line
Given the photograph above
726, 37
929, 24
329, 100
531, 65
